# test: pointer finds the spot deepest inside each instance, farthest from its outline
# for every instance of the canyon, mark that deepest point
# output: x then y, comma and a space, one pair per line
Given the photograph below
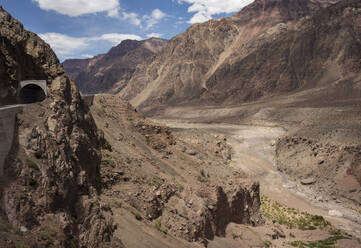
240, 132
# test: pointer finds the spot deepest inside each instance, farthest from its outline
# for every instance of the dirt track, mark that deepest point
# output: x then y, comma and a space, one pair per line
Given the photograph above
253, 152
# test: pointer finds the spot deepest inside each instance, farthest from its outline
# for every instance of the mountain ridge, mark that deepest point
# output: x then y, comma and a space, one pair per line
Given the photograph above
195, 63
109, 72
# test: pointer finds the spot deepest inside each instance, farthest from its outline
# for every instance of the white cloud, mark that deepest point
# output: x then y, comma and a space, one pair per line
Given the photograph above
116, 38
66, 46
62, 44
86, 56
75, 8
80, 7
205, 9
154, 18
131, 17
154, 35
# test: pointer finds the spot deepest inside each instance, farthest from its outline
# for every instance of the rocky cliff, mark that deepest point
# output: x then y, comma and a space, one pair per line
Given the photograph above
269, 48
51, 177
110, 72
178, 183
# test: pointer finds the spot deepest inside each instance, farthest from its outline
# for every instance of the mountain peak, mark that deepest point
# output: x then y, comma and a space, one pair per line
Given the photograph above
285, 10
108, 72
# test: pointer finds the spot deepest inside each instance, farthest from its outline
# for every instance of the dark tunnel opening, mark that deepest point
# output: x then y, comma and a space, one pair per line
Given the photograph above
31, 93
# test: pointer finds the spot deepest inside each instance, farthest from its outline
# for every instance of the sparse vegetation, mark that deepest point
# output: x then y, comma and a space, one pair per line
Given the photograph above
180, 188
158, 225
326, 243
100, 111
203, 177
267, 243
21, 244
137, 215
33, 182
107, 145
47, 236
290, 217
73, 157
357, 209
38, 154
31, 164
117, 203
5, 226
236, 236
128, 160
185, 212
108, 163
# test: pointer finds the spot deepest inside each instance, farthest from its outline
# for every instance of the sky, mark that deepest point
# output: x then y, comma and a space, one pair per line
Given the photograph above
85, 28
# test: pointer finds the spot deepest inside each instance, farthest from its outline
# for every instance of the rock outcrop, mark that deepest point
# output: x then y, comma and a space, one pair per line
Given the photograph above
269, 48
151, 173
111, 72
330, 167
222, 206
51, 177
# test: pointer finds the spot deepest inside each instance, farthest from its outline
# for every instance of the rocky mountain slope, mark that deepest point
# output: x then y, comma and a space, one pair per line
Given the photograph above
173, 182
110, 72
269, 48
180, 188
65, 181
51, 183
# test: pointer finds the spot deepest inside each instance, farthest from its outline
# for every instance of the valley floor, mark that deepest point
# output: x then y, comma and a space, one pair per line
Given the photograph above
254, 153
277, 143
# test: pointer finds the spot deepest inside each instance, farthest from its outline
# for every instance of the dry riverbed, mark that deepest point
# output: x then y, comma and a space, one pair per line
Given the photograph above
253, 153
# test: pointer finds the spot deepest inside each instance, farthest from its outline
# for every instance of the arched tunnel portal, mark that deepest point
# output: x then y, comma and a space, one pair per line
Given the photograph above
32, 91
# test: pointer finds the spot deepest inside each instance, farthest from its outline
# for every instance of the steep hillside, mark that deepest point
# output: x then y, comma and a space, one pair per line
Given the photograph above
50, 186
269, 48
111, 71
184, 188
174, 181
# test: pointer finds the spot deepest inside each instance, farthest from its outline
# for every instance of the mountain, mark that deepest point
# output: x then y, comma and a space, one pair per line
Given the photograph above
50, 185
111, 71
269, 48
74, 180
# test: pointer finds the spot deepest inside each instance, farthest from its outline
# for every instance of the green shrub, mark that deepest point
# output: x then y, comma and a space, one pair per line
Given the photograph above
185, 212
38, 154
290, 217
117, 203
5, 226
202, 179
180, 188
33, 182
107, 163
107, 145
330, 242
267, 243
47, 236
159, 226
31, 164
137, 215
21, 244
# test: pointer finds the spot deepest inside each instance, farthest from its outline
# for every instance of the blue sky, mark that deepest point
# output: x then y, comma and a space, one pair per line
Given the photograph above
84, 28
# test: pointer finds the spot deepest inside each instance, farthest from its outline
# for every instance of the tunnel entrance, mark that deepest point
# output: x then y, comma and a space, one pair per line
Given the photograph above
31, 93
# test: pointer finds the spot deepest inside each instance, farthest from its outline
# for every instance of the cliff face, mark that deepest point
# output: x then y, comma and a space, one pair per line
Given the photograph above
51, 176
179, 182
110, 72
269, 48
18, 49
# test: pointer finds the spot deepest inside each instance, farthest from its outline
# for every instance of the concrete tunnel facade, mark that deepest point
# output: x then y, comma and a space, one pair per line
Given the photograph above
32, 91
29, 91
